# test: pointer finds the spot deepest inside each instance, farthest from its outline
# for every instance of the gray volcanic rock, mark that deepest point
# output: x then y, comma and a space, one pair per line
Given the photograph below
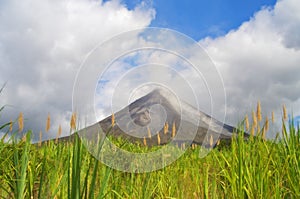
149, 114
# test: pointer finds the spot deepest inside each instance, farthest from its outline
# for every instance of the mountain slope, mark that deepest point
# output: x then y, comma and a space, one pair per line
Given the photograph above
149, 115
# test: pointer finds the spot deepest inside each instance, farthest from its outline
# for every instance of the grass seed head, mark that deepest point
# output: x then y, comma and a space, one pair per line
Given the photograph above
173, 129
247, 123
263, 133
267, 124
59, 131
211, 141
258, 111
193, 146
24, 138
145, 141
21, 122
183, 146
48, 123
273, 117
158, 139
166, 127
73, 121
149, 132
40, 140
254, 119
284, 112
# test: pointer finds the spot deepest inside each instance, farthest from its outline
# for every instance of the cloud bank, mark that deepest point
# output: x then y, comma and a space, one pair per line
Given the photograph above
260, 61
43, 43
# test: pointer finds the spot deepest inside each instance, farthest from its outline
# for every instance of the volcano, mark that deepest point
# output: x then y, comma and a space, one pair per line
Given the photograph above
161, 114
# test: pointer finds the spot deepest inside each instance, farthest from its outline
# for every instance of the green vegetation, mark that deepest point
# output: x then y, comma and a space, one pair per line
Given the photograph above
246, 169
255, 168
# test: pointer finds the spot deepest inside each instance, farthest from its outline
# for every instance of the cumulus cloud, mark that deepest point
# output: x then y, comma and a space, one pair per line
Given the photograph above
151, 69
148, 61
167, 59
260, 61
43, 43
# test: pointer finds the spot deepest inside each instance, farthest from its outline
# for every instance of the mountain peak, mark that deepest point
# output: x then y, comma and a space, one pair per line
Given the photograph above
159, 92
148, 115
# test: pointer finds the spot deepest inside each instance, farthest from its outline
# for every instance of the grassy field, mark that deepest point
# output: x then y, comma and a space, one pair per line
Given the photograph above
255, 168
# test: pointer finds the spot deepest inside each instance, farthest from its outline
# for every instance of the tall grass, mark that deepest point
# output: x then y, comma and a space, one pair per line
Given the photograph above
246, 169
252, 168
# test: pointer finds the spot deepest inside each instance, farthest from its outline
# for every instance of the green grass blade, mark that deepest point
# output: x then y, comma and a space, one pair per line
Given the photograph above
104, 182
21, 180
41, 181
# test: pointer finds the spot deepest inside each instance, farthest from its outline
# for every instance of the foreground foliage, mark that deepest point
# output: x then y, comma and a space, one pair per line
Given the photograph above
252, 168
246, 169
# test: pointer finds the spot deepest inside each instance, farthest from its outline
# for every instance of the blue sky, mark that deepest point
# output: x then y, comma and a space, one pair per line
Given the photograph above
202, 18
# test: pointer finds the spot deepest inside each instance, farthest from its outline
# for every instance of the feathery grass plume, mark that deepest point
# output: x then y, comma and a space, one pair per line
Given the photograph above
218, 142
254, 119
158, 139
21, 122
267, 124
59, 131
258, 111
193, 146
273, 117
284, 112
48, 123
11, 126
112, 119
263, 133
173, 129
145, 141
247, 123
24, 138
73, 121
40, 140
58, 134
183, 146
211, 141
149, 132
166, 127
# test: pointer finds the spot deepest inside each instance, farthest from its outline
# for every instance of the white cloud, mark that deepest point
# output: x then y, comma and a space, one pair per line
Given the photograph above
260, 61
42, 44
160, 61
